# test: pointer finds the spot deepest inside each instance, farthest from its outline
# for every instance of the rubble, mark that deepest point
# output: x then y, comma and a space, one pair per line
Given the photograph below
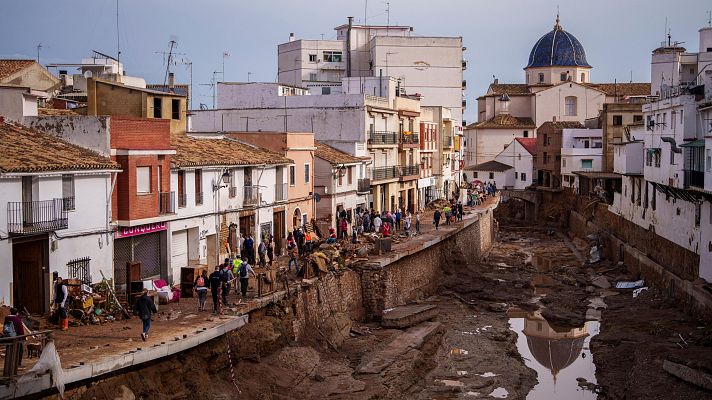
406, 316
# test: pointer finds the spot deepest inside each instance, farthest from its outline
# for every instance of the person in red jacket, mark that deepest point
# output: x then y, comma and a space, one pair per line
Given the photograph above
386, 230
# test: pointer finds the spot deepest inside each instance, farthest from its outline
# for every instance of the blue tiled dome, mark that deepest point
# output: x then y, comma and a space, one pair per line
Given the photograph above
558, 48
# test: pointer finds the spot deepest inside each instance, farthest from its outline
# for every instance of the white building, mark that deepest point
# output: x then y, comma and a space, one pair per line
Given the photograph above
17, 102
56, 201
512, 168
666, 187
430, 66
336, 184
581, 151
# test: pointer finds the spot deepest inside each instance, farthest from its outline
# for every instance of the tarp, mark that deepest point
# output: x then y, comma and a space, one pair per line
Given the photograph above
630, 284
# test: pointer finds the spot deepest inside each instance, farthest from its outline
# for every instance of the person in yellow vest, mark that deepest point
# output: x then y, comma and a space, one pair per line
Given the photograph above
236, 263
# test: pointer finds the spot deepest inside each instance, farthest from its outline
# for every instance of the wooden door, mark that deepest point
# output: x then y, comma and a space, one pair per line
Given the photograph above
279, 231
30, 275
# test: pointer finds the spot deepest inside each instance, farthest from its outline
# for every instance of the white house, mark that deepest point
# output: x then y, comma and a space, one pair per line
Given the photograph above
581, 151
512, 168
56, 201
17, 102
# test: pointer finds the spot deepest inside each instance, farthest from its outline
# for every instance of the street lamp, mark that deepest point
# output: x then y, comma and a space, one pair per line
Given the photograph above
225, 179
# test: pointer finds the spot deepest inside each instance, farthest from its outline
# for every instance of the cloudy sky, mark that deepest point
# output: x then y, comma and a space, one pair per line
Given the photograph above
618, 34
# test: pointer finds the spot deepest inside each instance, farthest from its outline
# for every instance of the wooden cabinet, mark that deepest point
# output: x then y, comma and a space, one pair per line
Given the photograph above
188, 275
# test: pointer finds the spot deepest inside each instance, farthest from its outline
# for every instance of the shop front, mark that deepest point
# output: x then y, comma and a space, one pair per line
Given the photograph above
145, 244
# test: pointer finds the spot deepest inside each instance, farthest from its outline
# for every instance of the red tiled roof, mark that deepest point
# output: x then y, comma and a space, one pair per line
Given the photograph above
192, 152
26, 150
622, 89
504, 121
558, 125
9, 67
529, 144
512, 89
335, 156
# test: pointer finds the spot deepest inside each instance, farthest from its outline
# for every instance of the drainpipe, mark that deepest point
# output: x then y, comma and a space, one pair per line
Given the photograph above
348, 48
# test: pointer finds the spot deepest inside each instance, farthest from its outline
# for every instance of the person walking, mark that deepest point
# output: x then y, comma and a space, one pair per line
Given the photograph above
216, 281
243, 273
145, 308
436, 219
459, 211
60, 300
447, 212
228, 277
407, 224
262, 253
292, 250
201, 288
417, 222
270, 250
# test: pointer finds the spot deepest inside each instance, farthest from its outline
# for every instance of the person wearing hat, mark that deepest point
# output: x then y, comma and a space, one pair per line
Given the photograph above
144, 308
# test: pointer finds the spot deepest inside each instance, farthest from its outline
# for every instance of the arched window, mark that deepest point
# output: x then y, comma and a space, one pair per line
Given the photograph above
570, 105
583, 78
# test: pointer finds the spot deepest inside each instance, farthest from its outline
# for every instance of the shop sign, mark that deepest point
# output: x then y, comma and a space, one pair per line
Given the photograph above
128, 231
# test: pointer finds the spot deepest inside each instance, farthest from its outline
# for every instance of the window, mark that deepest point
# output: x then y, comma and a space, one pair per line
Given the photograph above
597, 145
563, 163
198, 187
340, 174
563, 76
617, 120
312, 76
307, 174
583, 77
491, 175
350, 175
524, 176
570, 102
292, 175
312, 57
709, 160
546, 138
656, 157
516, 175
326, 90
546, 158
143, 179
474, 174
526, 134
637, 118
541, 78
332, 56
586, 164
175, 109
68, 191
558, 157
649, 158
157, 108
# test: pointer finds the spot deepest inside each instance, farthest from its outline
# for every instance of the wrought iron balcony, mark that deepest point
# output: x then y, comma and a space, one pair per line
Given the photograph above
382, 138
409, 139
364, 186
198, 198
383, 173
182, 200
28, 217
447, 141
251, 196
166, 203
409, 170
280, 192
694, 178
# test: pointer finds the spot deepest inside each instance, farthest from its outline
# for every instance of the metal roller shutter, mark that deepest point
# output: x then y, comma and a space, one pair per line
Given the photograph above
179, 250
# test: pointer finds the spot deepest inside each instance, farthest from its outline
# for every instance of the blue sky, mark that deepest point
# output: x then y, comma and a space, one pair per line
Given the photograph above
618, 34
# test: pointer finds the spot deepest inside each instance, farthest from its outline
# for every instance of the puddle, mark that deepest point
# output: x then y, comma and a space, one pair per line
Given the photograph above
500, 393
459, 352
558, 357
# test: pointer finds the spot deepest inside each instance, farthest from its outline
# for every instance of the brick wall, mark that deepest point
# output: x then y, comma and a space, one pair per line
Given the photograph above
127, 203
140, 133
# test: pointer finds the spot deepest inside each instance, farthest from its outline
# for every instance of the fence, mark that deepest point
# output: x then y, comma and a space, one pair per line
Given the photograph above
36, 216
79, 269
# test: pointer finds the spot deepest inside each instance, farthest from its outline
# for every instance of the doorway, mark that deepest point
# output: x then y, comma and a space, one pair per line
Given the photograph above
31, 274
279, 231
297, 218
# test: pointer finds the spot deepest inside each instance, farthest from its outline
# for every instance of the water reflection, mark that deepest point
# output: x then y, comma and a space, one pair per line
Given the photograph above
559, 356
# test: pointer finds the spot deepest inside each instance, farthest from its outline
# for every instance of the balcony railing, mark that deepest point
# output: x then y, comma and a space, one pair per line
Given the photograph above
413, 138
27, 217
280, 192
383, 173
252, 196
166, 203
182, 200
68, 203
447, 141
198, 198
364, 186
409, 170
382, 138
694, 178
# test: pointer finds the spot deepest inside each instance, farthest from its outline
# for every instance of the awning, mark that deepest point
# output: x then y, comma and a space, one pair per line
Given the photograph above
694, 143
407, 113
597, 175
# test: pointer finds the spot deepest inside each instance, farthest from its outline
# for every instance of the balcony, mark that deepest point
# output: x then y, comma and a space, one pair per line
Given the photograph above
694, 179
182, 200
382, 138
28, 217
198, 198
166, 203
251, 196
364, 186
383, 173
447, 142
68, 203
409, 172
280, 192
411, 140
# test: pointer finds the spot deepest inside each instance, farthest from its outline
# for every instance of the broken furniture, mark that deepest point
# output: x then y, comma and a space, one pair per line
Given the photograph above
166, 294
188, 275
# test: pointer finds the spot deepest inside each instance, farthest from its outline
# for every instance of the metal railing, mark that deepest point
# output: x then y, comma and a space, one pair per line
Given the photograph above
413, 138
182, 200
382, 137
251, 196
25, 217
68, 203
280, 192
409, 170
198, 198
364, 186
166, 203
447, 141
383, 173
694, 178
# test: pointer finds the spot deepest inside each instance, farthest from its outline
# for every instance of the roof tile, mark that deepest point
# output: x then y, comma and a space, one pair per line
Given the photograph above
504, 121
494, 166
9, 67
335, 156
192, 152
529, 144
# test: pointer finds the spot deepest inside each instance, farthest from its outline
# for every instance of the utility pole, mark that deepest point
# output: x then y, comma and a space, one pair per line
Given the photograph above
225, 55
39, 46
118, 40
171, 45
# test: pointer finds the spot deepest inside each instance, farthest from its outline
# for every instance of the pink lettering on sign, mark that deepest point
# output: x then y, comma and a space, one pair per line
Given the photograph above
128, 231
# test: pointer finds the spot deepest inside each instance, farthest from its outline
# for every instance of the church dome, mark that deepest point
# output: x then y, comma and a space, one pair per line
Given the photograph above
557, 48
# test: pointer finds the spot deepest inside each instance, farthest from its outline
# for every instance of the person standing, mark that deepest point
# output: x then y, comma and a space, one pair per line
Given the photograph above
292, 250
417, 222
228, 277
407, 224
144, 308
245, 270
366, 222
12, 326
343, 229
436, 219
216, 281
201, 288
60, 300
377, 224
250, 249
262, 252
270, 250
398, 218
447, 212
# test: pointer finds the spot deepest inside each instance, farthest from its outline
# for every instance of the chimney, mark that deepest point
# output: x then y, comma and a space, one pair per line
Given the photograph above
348, 48
171, 81
496, 81
291, 37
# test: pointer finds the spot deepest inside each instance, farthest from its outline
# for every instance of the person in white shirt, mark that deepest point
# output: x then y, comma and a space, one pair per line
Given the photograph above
377, 224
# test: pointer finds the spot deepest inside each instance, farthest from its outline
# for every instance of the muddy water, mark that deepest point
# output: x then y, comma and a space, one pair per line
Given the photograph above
560, 357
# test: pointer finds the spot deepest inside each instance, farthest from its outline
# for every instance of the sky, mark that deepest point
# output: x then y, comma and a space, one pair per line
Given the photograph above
618, 35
